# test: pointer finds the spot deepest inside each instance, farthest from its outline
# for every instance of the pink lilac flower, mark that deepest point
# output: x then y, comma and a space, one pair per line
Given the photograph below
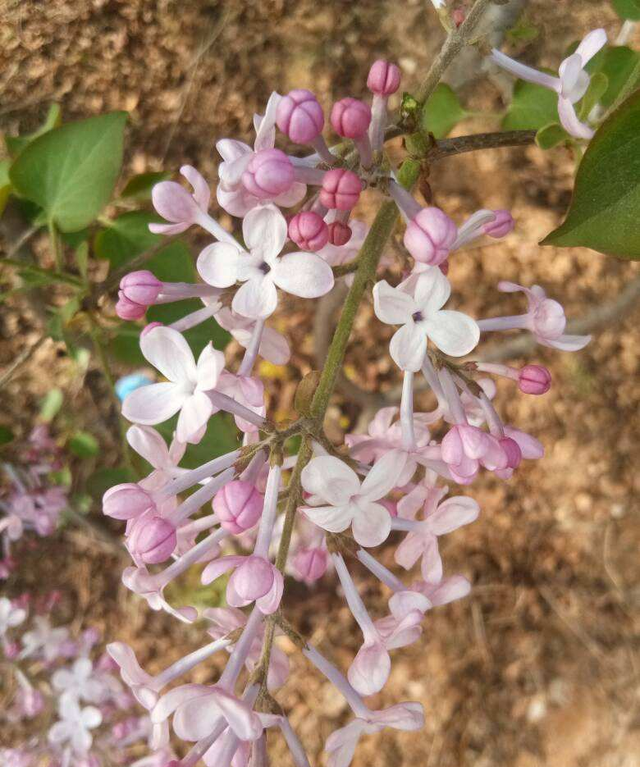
75, 725
422, 318
340, 500
185, 390
261, 269
571, 84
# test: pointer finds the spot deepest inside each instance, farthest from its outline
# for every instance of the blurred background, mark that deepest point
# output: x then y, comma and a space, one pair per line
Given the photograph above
539, 666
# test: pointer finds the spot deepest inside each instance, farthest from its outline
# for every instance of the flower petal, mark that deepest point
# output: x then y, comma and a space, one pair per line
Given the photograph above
383, 476
153, 404
201, 191
257, 298
524, 72
264, 230
335, 519
408, 346
331, 479
195, 413
149, 444
454, 333
591, 44
391, 305
370, 669
210, 365
168, 351
218, 264
371, 524
570, 122
431, 291
452, 514
303, 274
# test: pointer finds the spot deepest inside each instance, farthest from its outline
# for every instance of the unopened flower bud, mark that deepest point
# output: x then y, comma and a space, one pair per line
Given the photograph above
299, 116
309, 231
238, 506
384, 78
269, 173
126, 501
310, 564
350, 118
141, 287
340, 189
129, 310
153, 540
30, 702
534, 379
429, 236
339, 233
512, 451
501, 226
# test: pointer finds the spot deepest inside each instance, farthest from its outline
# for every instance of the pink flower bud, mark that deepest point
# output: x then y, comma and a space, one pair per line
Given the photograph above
429, 236
444, 267
141, 287
534, 379
153, 540
310, 564
300, 117
458, 16
175, 204
350, 118
339, 233
126, 501
268, 174
129, 310
12, 650
148, 328
308, 230
238, 506
501, 226
340, 189
512, 451
384, 78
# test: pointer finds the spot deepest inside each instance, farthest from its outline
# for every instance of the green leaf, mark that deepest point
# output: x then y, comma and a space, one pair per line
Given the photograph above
441, 112
627, 9
51, 404
551, 135
71, 171
102, 479
83, 444
605, 208
5, 184
127, 237
139, 187
6, 435
531, 108
15, 144
619, 64
598, 85
221, 437
522, 32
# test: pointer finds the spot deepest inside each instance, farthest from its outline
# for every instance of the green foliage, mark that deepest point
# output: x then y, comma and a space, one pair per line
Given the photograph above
551, 136
531, 108
102, 479
619, 64
51, 404
221, 437
523, 32
71, 171
441, 112
5, 184
15, 144
627, 9
598, 85
125, 238
6, 435
138, 188
83, 444
605, 208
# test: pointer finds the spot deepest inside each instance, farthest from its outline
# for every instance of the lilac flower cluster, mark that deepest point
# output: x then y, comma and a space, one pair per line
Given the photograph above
395, 479
77, 710
30, 501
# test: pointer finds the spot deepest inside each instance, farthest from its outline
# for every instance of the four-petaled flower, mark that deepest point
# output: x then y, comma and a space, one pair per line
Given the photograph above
340, 500
75, 724
185, 390
422, 317
261, 269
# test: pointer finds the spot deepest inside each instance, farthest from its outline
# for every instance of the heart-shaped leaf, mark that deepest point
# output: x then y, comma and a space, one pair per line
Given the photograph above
605, 208
71, 171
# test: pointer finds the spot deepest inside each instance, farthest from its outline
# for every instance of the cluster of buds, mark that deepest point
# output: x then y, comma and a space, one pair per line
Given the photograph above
30, 500
65, 694
396, 478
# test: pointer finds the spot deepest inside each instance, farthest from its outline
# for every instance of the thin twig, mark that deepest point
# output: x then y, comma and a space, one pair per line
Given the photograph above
462, 144
454, 43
